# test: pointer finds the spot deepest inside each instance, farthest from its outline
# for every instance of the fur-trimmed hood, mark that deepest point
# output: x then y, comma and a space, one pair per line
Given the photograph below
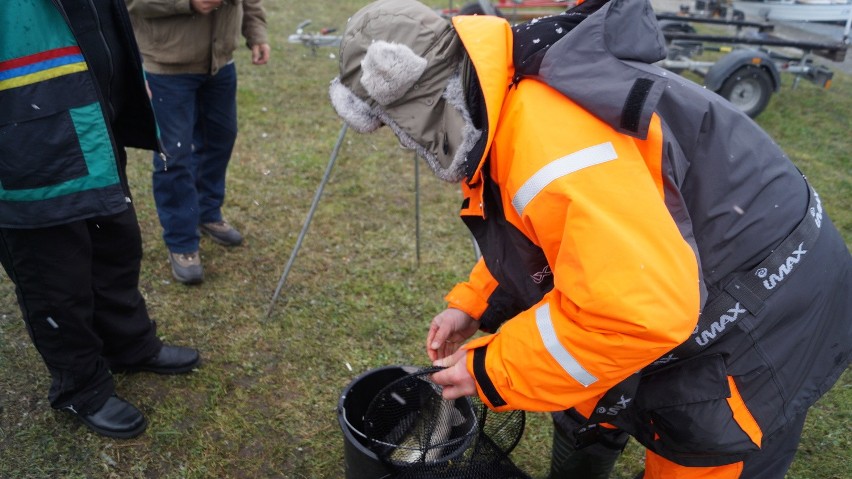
400, 66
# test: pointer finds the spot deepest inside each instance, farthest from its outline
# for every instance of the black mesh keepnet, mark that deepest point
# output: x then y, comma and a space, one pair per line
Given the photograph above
418, 434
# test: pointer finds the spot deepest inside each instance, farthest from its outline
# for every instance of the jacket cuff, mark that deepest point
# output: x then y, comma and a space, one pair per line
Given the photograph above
465, 298
476, 367
256, 40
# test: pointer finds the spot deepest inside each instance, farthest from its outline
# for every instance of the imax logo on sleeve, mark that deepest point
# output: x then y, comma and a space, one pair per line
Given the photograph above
719, 326
784, 270
816, 211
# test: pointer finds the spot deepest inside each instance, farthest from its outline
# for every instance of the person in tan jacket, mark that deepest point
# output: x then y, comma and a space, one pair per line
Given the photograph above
187, 48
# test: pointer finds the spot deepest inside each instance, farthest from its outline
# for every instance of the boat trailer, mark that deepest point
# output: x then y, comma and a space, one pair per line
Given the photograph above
749, 70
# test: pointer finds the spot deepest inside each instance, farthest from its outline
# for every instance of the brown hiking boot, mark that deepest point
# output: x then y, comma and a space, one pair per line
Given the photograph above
186, 267
222, 233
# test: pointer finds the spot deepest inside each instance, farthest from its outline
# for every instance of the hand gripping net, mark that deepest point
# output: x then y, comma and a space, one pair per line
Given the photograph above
418, 434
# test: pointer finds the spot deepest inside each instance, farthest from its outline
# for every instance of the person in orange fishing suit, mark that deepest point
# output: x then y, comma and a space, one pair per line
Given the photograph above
653, 265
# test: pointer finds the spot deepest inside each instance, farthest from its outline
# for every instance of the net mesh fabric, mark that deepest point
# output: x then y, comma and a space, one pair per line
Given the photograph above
418, 434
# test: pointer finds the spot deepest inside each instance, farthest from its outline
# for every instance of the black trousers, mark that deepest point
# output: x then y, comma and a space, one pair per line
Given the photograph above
598, 460
77, 287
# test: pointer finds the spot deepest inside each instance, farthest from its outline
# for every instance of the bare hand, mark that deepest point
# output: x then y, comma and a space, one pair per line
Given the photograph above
260, 54
455, 380
449, 329
205, 6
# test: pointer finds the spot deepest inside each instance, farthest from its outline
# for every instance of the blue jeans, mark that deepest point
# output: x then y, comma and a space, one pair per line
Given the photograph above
197, 116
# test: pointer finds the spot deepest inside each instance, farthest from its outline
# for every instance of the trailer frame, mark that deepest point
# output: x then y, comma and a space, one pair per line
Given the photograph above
750, 70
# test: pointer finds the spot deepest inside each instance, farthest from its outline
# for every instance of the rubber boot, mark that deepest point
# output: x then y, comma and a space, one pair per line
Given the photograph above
595, 461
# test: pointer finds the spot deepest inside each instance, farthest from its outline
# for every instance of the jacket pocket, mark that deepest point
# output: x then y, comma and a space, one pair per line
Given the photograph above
40, 152
687, 411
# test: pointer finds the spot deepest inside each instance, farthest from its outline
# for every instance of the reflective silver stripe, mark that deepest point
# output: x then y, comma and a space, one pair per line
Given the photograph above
560, 167
555, 348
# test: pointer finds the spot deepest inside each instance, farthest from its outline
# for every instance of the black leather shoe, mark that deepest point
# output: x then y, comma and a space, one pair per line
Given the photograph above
170, 360
116, 418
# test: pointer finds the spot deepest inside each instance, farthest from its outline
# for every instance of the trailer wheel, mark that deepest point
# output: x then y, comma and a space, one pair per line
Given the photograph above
749, 89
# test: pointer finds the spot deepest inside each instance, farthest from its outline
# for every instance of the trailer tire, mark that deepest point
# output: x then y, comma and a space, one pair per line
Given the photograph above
749, 89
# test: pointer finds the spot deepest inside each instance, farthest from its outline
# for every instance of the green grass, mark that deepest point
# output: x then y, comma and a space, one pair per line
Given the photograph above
264, 402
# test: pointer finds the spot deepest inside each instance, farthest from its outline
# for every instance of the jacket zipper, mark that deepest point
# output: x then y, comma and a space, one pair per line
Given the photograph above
108, 93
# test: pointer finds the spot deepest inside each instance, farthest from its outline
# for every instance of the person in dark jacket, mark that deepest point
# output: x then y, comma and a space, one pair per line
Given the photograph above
652, 263
72, 97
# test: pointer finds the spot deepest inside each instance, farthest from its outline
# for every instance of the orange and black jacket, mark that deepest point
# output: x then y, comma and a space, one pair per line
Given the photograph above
613, 201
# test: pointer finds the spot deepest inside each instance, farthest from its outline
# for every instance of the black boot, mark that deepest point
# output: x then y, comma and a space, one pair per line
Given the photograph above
116, 418
595, 461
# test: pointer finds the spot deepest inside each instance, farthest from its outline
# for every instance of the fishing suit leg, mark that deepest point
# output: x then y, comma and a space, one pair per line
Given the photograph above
771, 462
595, 461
